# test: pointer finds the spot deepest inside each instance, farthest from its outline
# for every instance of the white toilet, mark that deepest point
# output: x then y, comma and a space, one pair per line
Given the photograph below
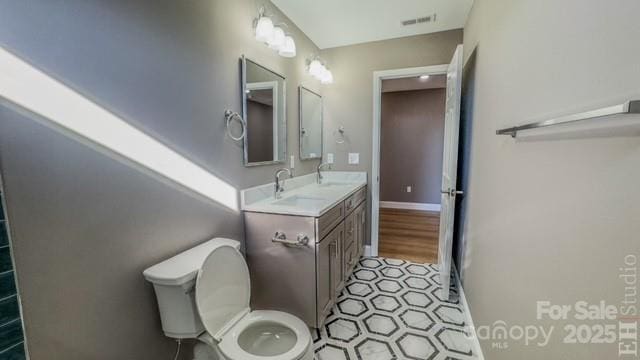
204, 293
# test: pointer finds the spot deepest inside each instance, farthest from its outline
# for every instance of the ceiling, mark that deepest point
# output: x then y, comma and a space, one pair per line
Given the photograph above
414, 83
332, 23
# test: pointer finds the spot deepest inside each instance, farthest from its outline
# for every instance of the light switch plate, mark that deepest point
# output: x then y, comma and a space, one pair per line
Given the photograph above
354, 158
408, 189
330, 158
292, 162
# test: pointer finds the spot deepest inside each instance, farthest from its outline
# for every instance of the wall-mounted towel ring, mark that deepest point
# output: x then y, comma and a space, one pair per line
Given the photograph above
229, 116
338, 134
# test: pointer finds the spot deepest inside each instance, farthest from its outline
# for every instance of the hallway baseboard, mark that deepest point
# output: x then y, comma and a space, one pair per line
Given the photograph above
409, 206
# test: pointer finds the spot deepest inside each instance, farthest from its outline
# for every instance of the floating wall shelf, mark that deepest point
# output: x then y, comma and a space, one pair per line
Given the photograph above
629, 107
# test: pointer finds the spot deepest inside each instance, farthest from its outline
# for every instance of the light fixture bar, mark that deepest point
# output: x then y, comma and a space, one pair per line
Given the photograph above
27, 88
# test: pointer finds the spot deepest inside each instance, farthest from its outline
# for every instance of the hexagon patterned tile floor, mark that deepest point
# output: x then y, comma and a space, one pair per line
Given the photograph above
390, 310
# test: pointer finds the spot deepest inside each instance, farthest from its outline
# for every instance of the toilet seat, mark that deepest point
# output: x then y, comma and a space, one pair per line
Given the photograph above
230, 346
223, 290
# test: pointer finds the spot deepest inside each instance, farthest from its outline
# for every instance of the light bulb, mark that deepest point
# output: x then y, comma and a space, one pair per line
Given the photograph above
327, 77
264, 29
277, 39
316, 69
288, 49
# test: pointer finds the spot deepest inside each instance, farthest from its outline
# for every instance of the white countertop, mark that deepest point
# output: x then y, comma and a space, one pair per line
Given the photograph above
303, 196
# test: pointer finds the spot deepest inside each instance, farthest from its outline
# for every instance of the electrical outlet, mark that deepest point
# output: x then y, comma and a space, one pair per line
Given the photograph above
408, 189
354, 158
330, 158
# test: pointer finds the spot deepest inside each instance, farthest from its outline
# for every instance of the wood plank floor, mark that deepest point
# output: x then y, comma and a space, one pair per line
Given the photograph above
410, 235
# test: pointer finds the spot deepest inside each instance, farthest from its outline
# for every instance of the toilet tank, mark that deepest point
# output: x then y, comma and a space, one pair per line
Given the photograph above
174, 283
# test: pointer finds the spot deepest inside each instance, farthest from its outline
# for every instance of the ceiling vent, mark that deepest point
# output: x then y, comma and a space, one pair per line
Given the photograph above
420, 20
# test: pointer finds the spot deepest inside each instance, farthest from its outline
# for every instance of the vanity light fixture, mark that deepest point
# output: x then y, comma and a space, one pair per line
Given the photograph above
277, 38
327, 77
264, 29
288, 50
319, 71
274, 35
315, 68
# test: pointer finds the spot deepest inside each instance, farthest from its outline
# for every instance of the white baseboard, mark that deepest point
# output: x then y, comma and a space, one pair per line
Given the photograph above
367, 250
468, 319
409, 206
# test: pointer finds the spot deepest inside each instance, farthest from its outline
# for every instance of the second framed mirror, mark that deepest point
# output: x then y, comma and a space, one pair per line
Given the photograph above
310, 124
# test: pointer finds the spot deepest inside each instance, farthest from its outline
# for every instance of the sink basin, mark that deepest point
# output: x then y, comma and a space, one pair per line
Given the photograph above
302, 201
332, 184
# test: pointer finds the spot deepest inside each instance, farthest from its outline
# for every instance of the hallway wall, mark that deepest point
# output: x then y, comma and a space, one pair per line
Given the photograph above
550, 220
411, 145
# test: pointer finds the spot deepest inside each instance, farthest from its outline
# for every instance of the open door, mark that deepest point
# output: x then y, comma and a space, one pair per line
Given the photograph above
449, 170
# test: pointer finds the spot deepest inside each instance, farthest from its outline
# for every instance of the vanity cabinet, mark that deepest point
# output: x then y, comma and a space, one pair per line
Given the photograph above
304, 277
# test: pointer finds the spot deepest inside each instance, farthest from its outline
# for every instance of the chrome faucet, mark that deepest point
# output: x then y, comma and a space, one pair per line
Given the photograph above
320, 172
280, 188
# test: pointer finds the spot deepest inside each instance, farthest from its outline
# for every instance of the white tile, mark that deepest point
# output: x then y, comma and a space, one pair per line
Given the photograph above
450, 315
455, 341
417, 347
387, 285
331, 352
372, 349
417, 283
416, 319
415, 298
342, 329
385, 302
381, 324
392, 272
352, 307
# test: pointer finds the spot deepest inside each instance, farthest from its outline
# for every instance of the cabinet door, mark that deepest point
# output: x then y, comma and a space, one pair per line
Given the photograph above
327, 273
338, 264
361, 228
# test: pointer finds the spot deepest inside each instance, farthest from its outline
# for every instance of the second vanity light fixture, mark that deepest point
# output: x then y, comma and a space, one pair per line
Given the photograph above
319, 71
274, 35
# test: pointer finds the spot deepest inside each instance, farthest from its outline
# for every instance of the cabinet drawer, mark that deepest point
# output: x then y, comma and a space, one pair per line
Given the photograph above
350, 224
355, 199
329, 220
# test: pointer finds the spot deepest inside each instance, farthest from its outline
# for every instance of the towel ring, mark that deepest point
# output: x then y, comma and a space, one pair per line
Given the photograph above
340, 131
229, 117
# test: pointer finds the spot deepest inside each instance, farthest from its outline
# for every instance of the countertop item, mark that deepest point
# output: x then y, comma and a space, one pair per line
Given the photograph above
303, 196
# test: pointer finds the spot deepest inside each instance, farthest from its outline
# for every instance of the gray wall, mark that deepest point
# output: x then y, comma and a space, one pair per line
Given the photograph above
85, 226
549, 220
411, 145
349, 100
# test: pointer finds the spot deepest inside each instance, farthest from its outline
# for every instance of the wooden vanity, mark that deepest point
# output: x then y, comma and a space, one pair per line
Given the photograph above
299, 264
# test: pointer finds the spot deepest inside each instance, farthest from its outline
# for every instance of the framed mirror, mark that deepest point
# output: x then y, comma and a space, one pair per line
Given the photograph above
310, 124
264, 113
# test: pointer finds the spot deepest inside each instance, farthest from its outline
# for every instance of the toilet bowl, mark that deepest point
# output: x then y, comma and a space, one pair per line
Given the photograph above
226, 327
260, 335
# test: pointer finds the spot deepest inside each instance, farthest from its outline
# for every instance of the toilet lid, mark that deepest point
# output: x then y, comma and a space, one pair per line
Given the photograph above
223, 290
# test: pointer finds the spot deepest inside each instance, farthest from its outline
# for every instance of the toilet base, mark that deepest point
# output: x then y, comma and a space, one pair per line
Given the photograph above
205, 351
